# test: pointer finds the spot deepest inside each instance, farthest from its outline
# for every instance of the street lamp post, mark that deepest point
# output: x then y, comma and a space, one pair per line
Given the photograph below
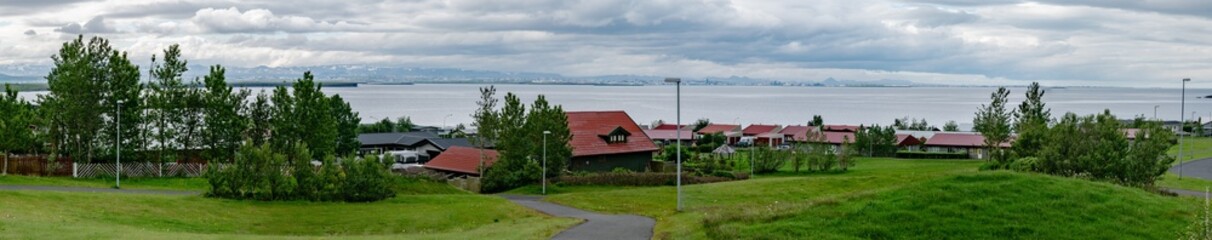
1155, 111
545, 133
678, 81
1183, 121
118, 147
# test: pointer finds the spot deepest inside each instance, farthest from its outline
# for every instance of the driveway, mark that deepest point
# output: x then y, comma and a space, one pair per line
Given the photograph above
1201, 169
596, 226
94, 190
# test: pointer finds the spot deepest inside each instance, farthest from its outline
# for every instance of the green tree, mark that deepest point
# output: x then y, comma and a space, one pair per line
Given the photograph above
15, 124
167, 101
993, 122
225, 127
86, 83
817, 121
545, 117
1031, 123
485, 121
1095, 147
346, 125
701, 123
382, 126
404, 124
305, 114
951, 126
260, 119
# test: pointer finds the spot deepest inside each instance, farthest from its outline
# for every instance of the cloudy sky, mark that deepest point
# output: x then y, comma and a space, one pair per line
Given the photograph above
1143, 43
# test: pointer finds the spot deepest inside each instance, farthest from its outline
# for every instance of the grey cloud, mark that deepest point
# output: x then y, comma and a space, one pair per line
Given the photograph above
1185, 7
30, 32
934, 17
25, 7
95, 25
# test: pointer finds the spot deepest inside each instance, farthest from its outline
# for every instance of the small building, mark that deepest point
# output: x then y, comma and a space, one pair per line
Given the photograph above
759, 134
605, 140
666, 126
953, 142
667, 136
461, 161
719, 128
796, 133
419, 141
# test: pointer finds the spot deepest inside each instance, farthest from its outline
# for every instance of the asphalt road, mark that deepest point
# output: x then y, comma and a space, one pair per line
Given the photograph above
596, 226
1198, 169
93, 190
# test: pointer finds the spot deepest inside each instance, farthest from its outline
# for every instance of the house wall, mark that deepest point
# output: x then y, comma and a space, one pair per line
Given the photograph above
636, 162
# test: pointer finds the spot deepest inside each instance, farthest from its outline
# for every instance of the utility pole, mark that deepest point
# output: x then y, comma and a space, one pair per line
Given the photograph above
1182, 122
678, 81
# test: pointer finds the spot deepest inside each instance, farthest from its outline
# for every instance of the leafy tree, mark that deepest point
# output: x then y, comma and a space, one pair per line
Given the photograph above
166, 103
225, 127
993, 121
382, 126
845, 158
485, 121
15, 124
1031, 123
544, 117
701, 123
951, 126
404, 124
1095, 147
817, 121
86, 83
875, 141
305, 114
260, 119
346, 126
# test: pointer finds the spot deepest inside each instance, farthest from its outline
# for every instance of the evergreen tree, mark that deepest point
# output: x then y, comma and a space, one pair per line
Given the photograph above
1031, 123
304, 114
701, 123
167, 100
404, 124
817, 121
485, 121
14, 125
993, 121
259, 115
951, 126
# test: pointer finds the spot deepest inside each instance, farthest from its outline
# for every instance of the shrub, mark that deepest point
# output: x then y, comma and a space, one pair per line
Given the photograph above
767, 160
259, 173
930, 155
1026, 164
620, 170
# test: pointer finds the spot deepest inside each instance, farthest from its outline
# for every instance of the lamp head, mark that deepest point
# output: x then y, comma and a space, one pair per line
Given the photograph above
546, 132
673, 80
1184, 80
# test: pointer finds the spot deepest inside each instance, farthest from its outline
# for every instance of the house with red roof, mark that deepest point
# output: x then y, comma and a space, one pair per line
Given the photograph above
462, 161
967, 142
840, 128
605, 140
719, 128
796, 133
667, 136
666, 126
764, 135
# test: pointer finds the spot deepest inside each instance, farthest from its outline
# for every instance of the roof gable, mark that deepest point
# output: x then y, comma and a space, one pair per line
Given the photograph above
587, 127
756, 129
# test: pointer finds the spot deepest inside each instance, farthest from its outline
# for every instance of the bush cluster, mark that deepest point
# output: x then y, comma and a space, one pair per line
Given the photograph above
646, 178
259, 173
930, 155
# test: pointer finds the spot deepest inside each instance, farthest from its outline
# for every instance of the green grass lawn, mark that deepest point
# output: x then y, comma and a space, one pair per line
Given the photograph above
421, 210
1194, 148
190, 184
724, 210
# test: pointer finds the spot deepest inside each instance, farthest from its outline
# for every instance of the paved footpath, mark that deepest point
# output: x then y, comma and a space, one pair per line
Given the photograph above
1201, 169
596, 226
94, 190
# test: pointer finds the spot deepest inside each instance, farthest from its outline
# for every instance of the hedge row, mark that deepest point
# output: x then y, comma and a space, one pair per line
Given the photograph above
931, 155
646, 179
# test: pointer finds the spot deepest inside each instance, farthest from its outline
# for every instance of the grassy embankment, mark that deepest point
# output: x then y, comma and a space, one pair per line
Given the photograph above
889, 198
422, 210
1193, 149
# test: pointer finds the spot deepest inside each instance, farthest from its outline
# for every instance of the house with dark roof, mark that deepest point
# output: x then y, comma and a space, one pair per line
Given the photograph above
460, 161
427, 144
605, 140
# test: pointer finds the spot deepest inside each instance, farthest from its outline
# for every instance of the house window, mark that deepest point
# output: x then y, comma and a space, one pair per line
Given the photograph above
618, 138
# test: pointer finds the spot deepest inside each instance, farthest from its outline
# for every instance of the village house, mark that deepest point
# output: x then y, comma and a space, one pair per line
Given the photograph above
954, 142
731, 132
426, 144
605, 140
670, 136
763, 135
459, 161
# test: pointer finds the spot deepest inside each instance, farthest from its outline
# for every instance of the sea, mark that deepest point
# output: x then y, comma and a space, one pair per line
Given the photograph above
452, 104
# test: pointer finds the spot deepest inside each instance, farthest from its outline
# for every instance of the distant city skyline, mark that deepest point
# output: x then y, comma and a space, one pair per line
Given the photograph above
947, 42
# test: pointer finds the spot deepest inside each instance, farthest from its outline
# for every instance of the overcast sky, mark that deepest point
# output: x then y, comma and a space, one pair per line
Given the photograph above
1142, 43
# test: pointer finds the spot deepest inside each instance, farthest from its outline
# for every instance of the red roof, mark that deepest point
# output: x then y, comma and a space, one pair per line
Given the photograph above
840, 128
462, 160
907, 140
718, 128
798, 133
588, 127
1130, 133
756, 129
668, 127
837, 137
669, 134
958, 140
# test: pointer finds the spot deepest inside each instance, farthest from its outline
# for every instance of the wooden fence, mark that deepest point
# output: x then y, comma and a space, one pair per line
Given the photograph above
36, 165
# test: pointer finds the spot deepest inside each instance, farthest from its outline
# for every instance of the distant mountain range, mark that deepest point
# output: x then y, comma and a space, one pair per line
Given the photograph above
389, 75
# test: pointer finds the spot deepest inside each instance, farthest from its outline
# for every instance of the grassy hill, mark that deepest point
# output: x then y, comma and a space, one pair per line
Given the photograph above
422, 210
976, 206
889, 198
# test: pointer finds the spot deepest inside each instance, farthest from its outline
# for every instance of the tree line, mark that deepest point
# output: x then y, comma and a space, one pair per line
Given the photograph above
1092, 146
517, 133
97, 107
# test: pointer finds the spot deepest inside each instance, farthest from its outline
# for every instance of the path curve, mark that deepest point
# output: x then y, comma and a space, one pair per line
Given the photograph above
1201, 169
94, 190
596, 226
